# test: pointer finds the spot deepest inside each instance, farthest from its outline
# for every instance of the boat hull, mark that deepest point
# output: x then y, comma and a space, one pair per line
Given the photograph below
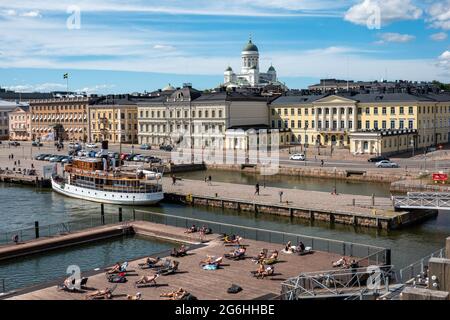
120, 198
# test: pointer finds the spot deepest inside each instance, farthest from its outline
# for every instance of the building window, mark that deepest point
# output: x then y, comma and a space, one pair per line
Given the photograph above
392, 110
319, 124
411, 124
299, 111
306, 111
313, 123
273, 112
350, 124
286, 125
359, 110
327, 124
299, 124
410, 110
292, 123
383, 124
273, 123
401, 124
359, 124
401, 110
367, 110
375, 125
375, 110
327, 111
367, 124
279, 123
292, 112
392, 124
383, 111
285, 112
334, 110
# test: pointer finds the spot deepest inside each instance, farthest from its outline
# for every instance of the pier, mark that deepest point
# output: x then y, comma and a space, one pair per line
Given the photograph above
347, 209
22, 179
210, 284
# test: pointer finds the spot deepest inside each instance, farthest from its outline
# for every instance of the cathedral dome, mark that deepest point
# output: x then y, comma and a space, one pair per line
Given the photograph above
250, 47
168, 88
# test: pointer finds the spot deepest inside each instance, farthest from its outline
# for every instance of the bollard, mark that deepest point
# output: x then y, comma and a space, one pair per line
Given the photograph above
36, 229
120, 214
102, 213
373, 199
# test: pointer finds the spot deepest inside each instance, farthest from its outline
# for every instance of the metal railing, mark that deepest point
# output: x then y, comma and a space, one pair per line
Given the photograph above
422, 202
349, 284
417, 271
366, 254
51, 230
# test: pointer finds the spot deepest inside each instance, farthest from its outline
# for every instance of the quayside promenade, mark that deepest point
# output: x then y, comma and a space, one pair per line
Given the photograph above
211, 284
311, 205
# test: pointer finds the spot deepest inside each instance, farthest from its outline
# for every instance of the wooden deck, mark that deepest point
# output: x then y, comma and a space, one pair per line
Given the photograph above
203, 284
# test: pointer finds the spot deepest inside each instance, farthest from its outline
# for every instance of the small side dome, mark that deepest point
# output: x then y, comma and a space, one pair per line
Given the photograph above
168, 88
271, 68
229, 69
250, 46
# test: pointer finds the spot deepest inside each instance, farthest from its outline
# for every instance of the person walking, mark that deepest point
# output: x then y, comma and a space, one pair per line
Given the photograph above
174, 180
321, 163
18, 162
209, 180
257, 189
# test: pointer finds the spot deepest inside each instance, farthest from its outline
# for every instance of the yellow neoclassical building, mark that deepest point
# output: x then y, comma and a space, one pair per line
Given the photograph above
115, 121
375, 123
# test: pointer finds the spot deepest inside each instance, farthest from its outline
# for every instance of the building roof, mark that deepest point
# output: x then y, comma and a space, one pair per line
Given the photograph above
388, 97
250, 46
10, 105
297, 99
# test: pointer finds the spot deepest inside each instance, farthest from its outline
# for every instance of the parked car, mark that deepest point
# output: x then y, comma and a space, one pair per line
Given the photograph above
91, 145
37, 144
387, 164
298, 157
138, 157
145, 147
41, 156
378, 159
56, 158
67, 159
166, 148
47, 157
14, 143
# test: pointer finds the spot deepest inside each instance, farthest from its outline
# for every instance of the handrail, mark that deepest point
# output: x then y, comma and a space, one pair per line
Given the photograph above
342, 244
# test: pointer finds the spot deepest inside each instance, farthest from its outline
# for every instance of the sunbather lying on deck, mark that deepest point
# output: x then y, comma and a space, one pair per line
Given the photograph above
175, 295
236, 254
101, 294
70, 284
173, 267
342, 262
148, 279
211, 260
138, 296
150, 262
264, 271
232, 239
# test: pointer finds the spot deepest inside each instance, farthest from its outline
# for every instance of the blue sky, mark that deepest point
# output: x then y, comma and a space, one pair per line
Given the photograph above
143, 45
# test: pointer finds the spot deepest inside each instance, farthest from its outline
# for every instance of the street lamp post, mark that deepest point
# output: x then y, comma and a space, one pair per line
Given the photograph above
335, 182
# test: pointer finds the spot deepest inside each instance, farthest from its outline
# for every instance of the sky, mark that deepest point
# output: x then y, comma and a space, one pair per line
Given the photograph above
112, 46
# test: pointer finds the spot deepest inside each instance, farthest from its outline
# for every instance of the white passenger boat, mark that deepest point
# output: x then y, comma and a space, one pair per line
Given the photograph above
90, 179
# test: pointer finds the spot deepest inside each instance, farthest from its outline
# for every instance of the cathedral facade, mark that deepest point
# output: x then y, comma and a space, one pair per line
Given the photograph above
250, 75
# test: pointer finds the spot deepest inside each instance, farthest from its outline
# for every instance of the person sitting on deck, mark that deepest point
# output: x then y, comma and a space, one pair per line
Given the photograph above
300, 247
205, 230
172, 268
192, 229
117, 268
261, 256
288, 246
148, 279
342, 262
180, 252
272, 259
268, 271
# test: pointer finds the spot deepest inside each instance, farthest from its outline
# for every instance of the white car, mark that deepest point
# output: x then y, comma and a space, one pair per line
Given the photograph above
386, 164
91, 145
298, 157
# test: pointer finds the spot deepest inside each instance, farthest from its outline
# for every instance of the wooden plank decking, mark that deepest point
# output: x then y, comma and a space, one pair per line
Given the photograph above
201, 283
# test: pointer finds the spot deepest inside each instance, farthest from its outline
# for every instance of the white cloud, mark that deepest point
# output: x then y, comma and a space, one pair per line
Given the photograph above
8, 12
395, 37
440, 36
444, 62
388, 10
163, 47
31, 14
96, 88
439, 14
41, 87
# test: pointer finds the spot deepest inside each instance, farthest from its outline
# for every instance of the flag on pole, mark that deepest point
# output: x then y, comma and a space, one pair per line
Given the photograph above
66, 76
